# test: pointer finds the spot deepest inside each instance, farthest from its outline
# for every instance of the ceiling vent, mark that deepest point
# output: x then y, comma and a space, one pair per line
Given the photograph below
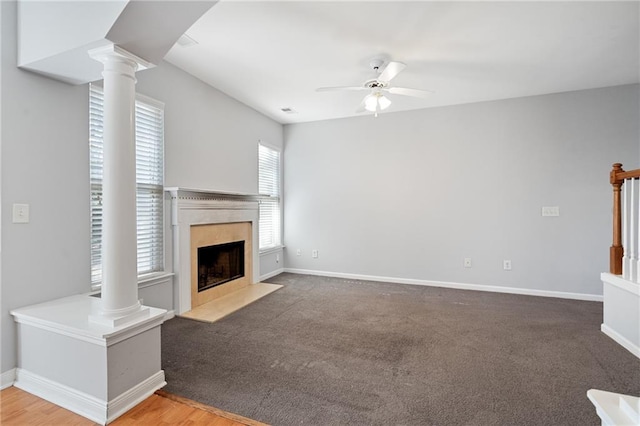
186, 41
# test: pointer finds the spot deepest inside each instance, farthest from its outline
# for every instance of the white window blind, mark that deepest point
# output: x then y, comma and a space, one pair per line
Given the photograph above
149, 120
269, 190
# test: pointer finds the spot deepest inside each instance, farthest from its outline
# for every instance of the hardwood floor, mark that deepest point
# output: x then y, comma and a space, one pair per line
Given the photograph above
21, 408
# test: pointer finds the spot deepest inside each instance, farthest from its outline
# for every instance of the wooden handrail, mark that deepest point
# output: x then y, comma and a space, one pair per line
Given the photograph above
616, 178
621, 175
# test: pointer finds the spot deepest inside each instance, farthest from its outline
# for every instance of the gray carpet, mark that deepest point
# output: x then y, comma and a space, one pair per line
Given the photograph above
329, 351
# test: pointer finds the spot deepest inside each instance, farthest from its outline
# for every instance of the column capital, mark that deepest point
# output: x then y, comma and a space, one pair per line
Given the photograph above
112, 53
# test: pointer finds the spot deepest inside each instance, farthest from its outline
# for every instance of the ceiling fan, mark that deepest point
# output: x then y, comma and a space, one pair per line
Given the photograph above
376, 101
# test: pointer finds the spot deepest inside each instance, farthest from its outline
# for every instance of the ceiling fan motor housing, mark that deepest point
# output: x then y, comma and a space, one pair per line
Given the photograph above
375, 84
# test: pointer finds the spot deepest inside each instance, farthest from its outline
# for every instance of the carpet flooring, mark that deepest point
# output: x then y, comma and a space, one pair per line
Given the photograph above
330, 351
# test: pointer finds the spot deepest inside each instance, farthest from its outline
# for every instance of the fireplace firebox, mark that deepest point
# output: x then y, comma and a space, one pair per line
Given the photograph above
220, 263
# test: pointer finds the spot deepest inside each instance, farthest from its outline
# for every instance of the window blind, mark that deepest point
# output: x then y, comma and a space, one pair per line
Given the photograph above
269, 190
149, 133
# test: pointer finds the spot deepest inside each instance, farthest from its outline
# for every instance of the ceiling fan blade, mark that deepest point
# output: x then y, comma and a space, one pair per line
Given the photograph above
330, 89
416, 93
391, 70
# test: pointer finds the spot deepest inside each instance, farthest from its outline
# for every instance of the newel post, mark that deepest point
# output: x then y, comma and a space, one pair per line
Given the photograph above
616, 251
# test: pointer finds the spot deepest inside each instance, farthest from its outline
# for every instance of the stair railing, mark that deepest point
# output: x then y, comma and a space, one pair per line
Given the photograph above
624, 254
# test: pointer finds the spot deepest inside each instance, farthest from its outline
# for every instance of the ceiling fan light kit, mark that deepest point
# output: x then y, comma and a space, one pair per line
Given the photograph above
375, 101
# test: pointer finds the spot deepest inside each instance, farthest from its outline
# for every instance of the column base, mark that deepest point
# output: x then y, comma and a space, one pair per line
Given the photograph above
115, 320
95, 370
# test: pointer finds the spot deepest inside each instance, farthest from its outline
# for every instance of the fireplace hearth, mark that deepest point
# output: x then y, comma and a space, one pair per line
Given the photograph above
219, 264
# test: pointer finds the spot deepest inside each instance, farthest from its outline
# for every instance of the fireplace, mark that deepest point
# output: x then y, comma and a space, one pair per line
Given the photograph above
219, 264
202, 218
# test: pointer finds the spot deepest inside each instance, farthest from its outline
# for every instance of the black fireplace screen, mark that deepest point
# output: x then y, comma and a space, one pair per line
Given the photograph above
219, 264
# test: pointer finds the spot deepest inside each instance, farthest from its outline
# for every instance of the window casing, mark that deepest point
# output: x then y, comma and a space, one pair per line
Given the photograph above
269, 188
149, 133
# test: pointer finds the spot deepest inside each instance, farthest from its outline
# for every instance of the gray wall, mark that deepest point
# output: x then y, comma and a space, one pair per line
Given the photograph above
44, 164
410, 195
211, 140
211, 143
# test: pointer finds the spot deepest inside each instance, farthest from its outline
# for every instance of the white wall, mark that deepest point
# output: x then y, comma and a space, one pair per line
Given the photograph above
409, 195
210, 141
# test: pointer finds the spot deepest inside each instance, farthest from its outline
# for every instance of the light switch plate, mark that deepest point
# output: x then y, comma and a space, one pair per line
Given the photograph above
21, 213
550, 211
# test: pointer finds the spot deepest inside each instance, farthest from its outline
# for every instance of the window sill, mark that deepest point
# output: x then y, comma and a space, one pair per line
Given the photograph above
146, 280
271, 250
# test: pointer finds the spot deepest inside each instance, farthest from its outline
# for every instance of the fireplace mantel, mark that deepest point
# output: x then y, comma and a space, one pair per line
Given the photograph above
181, 192
190, 207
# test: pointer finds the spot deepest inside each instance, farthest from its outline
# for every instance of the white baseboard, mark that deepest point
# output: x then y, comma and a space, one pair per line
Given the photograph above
134, 396
459, 286
7, 378
95, 409
621, 340
79, 402
170, 314
272, 274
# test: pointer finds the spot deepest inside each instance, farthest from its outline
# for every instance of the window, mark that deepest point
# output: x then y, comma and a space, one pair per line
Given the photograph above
269, 190
149, 182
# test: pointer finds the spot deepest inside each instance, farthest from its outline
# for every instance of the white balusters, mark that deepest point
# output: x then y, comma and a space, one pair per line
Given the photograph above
631, 229
635, 232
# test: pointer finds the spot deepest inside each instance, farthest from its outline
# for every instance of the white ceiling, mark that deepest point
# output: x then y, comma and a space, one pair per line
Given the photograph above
272, 55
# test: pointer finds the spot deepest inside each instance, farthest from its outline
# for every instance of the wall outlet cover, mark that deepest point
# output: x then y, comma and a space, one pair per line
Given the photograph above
21, 213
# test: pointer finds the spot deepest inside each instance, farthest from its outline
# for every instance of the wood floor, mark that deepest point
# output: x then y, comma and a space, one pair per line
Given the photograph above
21, 408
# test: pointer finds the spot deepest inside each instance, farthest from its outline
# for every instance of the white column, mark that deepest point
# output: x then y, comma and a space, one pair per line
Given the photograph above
119, 241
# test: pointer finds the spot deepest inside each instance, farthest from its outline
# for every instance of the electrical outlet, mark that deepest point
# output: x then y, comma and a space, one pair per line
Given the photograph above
467, 262
298, 252
278, 258
506, 265
314, 253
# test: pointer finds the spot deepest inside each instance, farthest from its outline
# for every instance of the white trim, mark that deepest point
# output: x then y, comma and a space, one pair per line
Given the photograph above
68, 317
621, 340
155, 279
169, 315
615, 408
270, 250
618, 281
460, 286
7, 378
134, 396
79, 402
146, 280
271, 274
111, 50
270, 146
95, 409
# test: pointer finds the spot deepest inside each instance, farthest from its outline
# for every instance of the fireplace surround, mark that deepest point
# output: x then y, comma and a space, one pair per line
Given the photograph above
195, 216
